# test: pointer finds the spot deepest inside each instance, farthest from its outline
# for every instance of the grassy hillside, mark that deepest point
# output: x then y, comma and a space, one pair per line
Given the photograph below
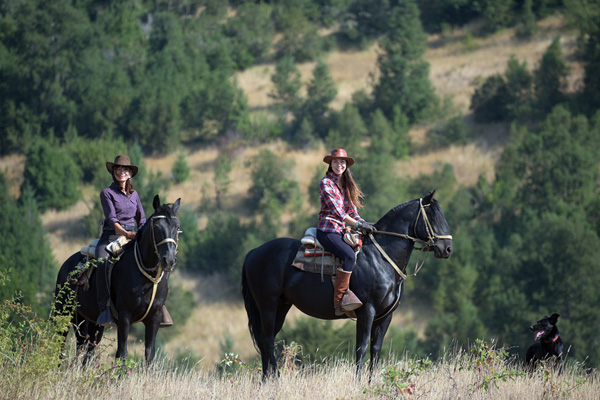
458, 65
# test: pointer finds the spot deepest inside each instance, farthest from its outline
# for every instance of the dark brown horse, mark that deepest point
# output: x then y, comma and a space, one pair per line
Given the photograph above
271, 285
139, 285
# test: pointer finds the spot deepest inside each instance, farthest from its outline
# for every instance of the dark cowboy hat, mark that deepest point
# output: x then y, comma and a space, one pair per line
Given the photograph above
339, 153
121, 161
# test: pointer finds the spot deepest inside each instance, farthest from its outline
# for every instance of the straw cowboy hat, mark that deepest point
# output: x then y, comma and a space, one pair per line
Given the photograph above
339, 153
122, 161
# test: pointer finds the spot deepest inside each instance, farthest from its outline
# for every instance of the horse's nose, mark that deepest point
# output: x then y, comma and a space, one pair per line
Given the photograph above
449, 250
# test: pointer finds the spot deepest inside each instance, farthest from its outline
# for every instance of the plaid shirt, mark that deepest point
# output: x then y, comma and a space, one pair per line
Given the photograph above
334, 206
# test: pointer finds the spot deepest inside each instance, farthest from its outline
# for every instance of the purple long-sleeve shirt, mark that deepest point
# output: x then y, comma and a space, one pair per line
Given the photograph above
121, 208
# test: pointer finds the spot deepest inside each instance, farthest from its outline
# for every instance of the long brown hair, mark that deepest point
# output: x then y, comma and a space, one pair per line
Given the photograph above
350, 187
128, 185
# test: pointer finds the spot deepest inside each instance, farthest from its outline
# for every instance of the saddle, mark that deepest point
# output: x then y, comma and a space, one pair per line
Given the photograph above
312, 257
83, 270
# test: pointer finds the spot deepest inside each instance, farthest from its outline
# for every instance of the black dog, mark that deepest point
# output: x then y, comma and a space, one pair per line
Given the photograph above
550, 346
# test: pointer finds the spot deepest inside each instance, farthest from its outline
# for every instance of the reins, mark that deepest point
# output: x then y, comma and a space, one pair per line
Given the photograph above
159, 274
426, 245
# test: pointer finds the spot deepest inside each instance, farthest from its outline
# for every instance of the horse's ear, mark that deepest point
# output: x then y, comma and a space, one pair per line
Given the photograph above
428, 199
156, 202
176, 206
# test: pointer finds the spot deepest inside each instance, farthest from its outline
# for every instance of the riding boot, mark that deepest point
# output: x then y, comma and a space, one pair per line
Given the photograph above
166, 318
343, 298
103, 296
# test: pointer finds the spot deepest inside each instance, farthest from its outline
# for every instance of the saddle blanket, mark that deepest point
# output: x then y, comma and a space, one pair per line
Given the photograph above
315, 261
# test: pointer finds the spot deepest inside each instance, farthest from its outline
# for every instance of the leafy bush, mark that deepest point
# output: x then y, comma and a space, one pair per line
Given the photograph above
30, 347
454, 131
318, 340
52, 175
181, 169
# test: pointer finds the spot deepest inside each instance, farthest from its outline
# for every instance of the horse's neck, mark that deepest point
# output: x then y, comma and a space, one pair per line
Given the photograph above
399, 220
399, 250
147, 253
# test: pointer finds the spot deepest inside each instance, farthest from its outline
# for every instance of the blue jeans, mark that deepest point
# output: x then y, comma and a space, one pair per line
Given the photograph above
334, 243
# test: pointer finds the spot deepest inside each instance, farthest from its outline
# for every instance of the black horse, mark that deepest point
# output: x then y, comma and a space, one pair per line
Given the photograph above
271, 285
139, 285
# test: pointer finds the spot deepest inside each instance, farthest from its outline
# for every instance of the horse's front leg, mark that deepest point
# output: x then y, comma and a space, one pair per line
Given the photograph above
378, 332
123, 327
152, 326
364, 322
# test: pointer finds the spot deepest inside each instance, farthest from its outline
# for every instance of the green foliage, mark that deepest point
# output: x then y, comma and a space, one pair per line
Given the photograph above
497, 14
300, 38
348, 131
273, 188
181, 169
453, 131
189, 238
321, 91
550, 78
221, 179
526, 26
403, 73
400, 381
319, 340
504, 97
364, 21
25, 254
221, 246
91, 155
52, 176
491, 366
250, 33
489, 102
30, 346
286, 86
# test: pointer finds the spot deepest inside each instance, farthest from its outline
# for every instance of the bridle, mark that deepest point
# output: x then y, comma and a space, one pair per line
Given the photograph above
160, 271
426, 245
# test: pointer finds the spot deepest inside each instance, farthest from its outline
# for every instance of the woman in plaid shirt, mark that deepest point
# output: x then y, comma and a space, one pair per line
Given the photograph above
340, 196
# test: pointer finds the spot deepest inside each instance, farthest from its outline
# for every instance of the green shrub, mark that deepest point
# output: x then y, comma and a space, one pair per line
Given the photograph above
52, 175
30, 347
181, 169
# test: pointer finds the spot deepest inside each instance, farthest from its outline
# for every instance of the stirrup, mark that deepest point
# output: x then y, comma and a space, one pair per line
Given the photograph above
350, 302
166, 318
106, 319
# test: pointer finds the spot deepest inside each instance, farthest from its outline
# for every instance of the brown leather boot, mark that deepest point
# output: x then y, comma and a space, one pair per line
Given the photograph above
166, 318
343, 298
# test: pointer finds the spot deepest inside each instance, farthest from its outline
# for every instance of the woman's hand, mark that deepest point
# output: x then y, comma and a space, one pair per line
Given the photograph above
367, 227
130, 235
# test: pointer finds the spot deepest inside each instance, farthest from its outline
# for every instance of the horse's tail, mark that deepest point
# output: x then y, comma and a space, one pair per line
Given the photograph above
254, 325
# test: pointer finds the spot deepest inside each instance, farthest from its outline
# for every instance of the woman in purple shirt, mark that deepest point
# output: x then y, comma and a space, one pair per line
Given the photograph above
340, 195
123, 216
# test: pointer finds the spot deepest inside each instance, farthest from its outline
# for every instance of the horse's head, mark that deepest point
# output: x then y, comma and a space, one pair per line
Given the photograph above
164, 232
432, 228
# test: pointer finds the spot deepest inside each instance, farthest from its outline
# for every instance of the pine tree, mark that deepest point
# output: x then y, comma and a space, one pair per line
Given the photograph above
403, 73
550, 78
287, 83
321, 91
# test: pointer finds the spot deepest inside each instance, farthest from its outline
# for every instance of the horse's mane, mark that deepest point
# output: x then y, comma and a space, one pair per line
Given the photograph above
435, 216
390, 215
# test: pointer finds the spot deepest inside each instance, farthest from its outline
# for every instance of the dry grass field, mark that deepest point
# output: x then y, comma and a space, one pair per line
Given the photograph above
456, 67
460, 378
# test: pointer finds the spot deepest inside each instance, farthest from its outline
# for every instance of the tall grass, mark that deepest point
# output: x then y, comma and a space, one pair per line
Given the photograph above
479, 372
